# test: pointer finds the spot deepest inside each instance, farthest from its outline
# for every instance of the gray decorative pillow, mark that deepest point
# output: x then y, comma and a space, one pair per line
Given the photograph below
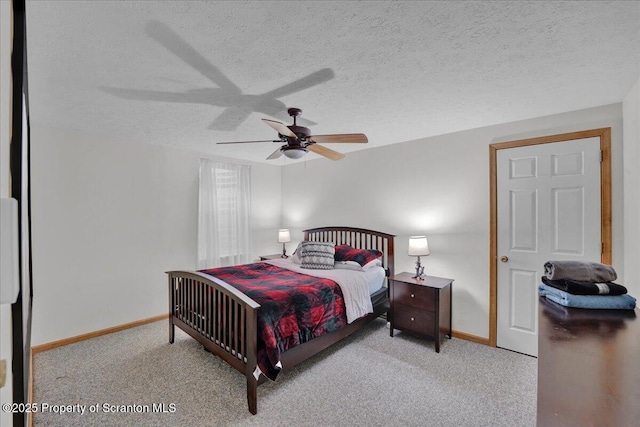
317, 255
295, 256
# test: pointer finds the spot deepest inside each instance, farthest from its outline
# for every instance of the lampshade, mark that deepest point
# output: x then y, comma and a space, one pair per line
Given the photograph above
418, 246
284, 236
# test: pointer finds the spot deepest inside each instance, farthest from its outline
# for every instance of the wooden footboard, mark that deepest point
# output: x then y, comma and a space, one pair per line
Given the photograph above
219, 317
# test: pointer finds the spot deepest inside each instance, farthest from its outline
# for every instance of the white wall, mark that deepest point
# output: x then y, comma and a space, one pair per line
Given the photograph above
437, 186
6, 17
631, 115
109, 218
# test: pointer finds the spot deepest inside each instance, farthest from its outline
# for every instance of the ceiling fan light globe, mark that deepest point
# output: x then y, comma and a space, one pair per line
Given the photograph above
294, 153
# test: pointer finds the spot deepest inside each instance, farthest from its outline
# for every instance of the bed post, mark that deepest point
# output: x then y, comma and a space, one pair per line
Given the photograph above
252, 361
172, 307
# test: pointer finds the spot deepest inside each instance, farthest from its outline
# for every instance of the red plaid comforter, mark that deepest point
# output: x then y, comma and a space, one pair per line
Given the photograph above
295, 308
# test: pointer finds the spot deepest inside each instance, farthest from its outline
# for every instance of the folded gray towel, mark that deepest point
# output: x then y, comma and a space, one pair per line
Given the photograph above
579, 270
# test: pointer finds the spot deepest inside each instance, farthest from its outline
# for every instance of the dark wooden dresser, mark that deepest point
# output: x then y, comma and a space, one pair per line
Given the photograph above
588, 367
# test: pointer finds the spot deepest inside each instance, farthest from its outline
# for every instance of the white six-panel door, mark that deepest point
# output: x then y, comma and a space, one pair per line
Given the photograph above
548, 205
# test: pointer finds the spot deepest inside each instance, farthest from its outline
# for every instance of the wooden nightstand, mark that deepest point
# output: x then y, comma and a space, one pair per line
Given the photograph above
272, 256
421, 306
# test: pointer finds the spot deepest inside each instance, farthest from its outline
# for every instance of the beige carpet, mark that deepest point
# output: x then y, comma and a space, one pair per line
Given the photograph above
369, 379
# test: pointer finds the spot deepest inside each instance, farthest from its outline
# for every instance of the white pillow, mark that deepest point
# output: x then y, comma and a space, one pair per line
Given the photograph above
375, 263
347, 265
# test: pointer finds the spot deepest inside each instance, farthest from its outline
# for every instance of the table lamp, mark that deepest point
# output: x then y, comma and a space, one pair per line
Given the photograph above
284, 237
418, 247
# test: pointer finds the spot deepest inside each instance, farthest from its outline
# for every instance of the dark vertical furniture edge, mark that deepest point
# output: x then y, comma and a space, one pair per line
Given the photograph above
21, 191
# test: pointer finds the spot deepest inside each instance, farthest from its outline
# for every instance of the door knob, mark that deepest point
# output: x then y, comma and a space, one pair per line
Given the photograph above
504, 258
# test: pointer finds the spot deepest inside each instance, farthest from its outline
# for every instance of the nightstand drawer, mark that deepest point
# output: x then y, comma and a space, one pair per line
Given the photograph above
414, 295
413, 319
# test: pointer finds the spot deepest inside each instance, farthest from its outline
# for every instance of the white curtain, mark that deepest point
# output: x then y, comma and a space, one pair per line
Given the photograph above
224, 211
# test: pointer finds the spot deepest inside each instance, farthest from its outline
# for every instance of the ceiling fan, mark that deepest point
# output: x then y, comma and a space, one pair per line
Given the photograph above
298, 139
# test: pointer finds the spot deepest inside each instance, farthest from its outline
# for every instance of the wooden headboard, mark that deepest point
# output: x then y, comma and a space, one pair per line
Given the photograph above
358, 238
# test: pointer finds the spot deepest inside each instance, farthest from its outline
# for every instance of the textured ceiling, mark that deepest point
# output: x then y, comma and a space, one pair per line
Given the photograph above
191, 73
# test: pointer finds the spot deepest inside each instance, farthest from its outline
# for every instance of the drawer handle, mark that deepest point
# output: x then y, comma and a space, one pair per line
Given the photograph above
412, 319
412, 296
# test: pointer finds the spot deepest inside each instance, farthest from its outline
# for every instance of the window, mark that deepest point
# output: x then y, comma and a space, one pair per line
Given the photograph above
224, 211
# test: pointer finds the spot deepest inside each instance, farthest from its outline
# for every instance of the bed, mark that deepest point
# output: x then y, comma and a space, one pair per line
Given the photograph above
226, 321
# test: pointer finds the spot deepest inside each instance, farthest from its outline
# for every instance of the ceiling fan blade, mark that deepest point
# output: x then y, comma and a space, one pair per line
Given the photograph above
352, 138
326, 152
247, 142
280, 128
275, 154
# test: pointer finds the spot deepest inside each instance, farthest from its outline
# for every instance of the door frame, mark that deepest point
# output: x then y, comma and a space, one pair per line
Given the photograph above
605, 205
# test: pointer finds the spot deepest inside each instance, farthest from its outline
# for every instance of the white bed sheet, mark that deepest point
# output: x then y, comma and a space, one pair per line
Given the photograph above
356, 286
375, 278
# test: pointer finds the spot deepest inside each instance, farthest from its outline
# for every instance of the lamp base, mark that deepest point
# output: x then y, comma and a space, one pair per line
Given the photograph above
284, 252
419, 271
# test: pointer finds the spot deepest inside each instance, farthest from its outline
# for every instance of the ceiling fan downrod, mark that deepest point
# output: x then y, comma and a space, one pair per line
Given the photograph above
301, 132
294, 112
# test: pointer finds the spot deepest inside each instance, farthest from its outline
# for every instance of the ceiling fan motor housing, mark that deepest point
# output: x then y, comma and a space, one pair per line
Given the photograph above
301, 131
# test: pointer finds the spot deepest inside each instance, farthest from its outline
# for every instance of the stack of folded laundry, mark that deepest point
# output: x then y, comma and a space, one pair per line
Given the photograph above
584, 285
